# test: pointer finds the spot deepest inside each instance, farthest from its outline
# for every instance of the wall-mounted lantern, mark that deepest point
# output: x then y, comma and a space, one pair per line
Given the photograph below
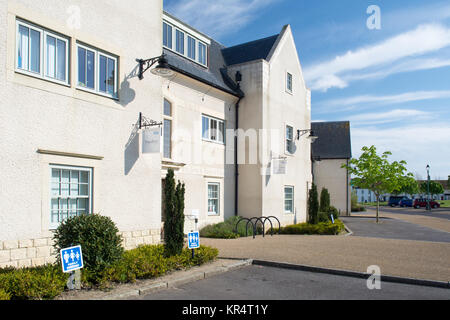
162, 69
312, 137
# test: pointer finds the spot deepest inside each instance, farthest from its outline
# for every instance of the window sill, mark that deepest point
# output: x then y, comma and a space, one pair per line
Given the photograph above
213, 214
215, 142
98, 93
40, 77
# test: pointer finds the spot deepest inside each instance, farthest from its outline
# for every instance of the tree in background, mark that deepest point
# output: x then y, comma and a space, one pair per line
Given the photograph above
377, 174
435, 188
313, 205
174, 212
409, 185
448, 182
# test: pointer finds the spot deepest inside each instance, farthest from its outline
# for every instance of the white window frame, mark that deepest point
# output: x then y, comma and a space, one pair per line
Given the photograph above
171, 35
218, 121
286, 148
97, 54
169, 118
42, 53
289, 90
292, 200
51, 197
187, 35
218, 198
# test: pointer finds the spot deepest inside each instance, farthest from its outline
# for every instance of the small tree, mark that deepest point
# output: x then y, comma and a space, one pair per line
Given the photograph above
375, 173
313, 205
174, 212
435, 188
324, 200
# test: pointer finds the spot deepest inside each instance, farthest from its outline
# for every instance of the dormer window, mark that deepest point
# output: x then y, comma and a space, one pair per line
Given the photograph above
185, 41
167, 35
180, 42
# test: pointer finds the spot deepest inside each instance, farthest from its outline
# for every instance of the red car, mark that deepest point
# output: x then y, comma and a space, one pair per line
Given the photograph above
422, 203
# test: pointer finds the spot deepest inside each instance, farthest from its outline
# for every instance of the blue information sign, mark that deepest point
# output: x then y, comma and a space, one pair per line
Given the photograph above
194, 240
71, 259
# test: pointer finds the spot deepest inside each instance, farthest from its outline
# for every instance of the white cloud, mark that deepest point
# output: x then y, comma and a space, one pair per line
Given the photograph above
406, 66
417, 144
217, 17
388, 99
397, 115
424, 39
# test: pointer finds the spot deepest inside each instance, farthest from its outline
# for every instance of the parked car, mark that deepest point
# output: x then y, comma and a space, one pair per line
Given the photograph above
422, 203
406, 202
394, 200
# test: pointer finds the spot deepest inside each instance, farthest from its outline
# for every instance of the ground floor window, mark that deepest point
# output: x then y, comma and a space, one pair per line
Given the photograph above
289, 199
213, 198
71, 193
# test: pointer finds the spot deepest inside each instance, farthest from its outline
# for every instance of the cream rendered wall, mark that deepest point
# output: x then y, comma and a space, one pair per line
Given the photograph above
268, 106
195, 161
329, 174
250, 122
283, 108
37, 114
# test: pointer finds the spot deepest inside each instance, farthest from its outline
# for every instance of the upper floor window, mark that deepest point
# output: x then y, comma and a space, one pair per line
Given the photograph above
167, 130
41, 53
191, 47
213, 129
289, 139
180, 41
184, 42
167, 35
289, 82
97, 71
202, 53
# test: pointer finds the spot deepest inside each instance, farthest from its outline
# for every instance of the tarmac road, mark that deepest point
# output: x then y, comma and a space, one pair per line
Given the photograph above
268, 283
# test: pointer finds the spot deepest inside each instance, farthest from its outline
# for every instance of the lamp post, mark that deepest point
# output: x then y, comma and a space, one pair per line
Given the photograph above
428, 188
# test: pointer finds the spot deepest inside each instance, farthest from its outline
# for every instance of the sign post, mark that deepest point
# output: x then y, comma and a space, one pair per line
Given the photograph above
193, 241
72, 262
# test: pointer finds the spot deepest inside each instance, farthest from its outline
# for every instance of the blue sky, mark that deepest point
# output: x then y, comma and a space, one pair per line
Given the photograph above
393, 84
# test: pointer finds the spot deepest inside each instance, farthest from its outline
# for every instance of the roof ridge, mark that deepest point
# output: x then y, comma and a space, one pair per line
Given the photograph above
250, 42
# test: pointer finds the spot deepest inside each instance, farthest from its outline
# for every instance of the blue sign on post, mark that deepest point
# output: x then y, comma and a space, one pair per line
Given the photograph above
194, 240
71, 259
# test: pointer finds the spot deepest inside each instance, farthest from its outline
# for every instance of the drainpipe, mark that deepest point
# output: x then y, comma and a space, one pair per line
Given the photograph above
347, 187
236, 165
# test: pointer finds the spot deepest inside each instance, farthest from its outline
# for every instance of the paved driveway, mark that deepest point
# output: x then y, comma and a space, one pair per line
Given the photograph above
266, 283
393, 229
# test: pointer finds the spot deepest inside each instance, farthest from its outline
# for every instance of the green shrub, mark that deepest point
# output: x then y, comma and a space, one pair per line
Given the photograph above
37, 283
321, 228
226, 229
4, 295
150, 261
174, 213
98, 236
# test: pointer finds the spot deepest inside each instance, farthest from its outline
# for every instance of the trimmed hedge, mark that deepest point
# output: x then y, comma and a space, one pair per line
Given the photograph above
37, 283
321, 228
149, 261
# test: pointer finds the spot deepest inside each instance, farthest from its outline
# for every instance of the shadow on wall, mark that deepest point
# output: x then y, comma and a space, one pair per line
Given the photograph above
127, 94
131, 154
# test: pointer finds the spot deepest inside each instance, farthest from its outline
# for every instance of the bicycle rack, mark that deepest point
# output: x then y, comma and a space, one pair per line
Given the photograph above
262, 220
